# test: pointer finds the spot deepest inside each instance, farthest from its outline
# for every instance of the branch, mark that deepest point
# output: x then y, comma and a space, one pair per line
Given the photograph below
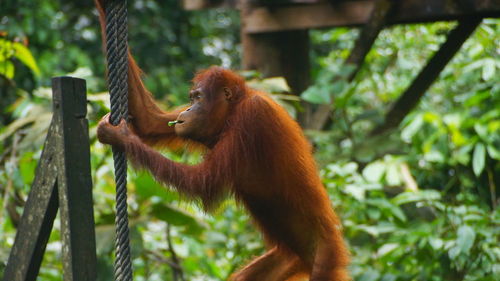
357, 56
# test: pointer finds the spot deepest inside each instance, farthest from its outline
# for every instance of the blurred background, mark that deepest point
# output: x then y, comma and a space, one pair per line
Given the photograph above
417, 203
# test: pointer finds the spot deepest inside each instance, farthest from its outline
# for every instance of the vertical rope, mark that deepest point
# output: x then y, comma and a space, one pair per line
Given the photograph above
116, 42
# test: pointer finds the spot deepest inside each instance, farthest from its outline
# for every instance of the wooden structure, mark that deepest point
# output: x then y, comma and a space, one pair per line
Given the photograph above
62, 181
275, 40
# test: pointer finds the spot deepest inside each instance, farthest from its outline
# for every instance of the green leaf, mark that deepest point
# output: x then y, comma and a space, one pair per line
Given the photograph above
316, 95
482, 131
7, 69
387, 248
415, 196
27, 167
374, 171
178, 217
6, 50
276, 84
355, 191
488, 69
375, 230
105, 235
436, 243
369, 275
478, 159
493, 152
147, 188
270, 85
393, 175
339, 86
477, 98
397, 212
346, 70
453, 252
412, 128
25, 56
465, 238
389, 277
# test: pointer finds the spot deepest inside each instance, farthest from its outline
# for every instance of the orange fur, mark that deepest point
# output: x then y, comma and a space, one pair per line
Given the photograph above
262, 158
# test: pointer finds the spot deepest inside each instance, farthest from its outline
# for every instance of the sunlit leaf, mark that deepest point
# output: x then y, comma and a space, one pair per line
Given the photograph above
7, 69
434, 155
270, 85
465, 238
430, 117
478, 159
489, 68
386, 248
415, 196
393, 174
436, 243
374, 171
6, 50
355, 191
376, 230
25, 56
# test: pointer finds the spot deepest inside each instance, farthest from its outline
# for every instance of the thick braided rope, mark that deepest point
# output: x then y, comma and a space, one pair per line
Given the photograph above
116, 42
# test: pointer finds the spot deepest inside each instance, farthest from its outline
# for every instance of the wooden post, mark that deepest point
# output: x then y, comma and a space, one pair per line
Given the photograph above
334, 13
279, 54
38, 218
74, 180
62, 179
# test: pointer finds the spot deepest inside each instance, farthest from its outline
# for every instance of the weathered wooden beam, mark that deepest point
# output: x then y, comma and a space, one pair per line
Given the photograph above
38, 217
410, 98
363, 44
284, 54
74, 180
62, 180
353, 13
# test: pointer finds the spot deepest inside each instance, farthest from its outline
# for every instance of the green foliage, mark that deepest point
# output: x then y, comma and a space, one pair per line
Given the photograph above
416, 235
444, 225
420, 203
15, 50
